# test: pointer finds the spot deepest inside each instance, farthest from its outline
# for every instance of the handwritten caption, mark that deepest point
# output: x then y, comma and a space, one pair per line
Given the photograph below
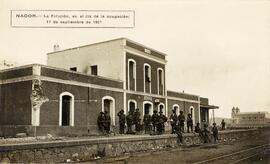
73, 18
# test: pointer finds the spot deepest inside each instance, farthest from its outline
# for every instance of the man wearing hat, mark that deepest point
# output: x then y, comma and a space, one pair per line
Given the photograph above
173, 119
155, 118
122, 121
215, 132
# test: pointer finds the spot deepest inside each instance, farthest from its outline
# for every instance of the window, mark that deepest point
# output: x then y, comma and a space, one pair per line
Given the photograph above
176, 108
66, 109
161, 107
94, 70
73, 69
131, 74
132, 105
192, 112
160, 81
147, 107
147, 78
108, 104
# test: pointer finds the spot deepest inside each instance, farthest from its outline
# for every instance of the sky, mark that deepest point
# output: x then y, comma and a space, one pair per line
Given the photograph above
218, 49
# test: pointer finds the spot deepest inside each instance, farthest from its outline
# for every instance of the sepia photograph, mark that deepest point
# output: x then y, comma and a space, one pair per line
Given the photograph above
135, 82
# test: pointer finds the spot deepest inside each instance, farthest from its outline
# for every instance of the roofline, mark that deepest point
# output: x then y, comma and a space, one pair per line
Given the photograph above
145, 46
183, 93
60, 69
86, 45
19, 67
96, 43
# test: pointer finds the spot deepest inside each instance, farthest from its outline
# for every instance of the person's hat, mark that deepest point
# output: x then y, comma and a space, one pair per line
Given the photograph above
155, 111
214, 123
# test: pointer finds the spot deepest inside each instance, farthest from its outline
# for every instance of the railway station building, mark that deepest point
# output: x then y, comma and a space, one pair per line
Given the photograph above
66, 96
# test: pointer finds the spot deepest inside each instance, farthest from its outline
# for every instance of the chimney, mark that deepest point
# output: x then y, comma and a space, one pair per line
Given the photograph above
56, 48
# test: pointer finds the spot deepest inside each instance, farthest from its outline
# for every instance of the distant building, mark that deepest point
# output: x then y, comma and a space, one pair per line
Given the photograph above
249, 119
66, 97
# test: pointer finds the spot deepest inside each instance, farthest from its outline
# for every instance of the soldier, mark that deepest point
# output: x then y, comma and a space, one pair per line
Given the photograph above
129, 119
101, 122
173, 119
181, 121
122, 121
155, 121
215, 132
205, 133
223, 124
161, 124
137, 120
147, 123
189, 123
197, 128
107, 122
179, 134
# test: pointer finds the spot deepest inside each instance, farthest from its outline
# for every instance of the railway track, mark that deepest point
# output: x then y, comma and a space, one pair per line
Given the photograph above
238, 156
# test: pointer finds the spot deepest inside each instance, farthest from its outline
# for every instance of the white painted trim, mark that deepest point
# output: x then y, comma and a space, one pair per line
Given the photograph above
162, 81
134, 74
124, 82
71, 120
151, 109
69, 82
199, 110
178, 108
134, 101
164, 108
150, 74
144, 55
112, 111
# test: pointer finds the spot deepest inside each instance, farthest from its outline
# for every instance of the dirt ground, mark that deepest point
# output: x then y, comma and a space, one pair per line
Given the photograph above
203, 152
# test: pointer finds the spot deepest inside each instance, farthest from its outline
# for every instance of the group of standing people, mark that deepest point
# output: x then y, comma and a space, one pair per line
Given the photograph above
178, 122
152, 124
155, 124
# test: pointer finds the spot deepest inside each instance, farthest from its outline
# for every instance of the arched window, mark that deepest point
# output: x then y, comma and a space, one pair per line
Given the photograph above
176, 108
66, 109
132, 105
161, 107
132, 74
147, 107
147, 78
160, 81
192, 112
108, 104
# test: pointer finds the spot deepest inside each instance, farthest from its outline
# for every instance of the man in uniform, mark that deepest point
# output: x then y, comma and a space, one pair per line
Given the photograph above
101, 122
223, 124
189, 123
155, 118
107, 122
205, 134
181, 121
215, 132
122, 121
173, 119
129, 119
137, 120
161, 124
147, 123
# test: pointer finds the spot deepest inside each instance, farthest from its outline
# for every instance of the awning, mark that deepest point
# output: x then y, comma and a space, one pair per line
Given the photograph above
209, 106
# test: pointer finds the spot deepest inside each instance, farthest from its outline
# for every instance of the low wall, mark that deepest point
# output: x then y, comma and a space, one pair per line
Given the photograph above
87, 149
